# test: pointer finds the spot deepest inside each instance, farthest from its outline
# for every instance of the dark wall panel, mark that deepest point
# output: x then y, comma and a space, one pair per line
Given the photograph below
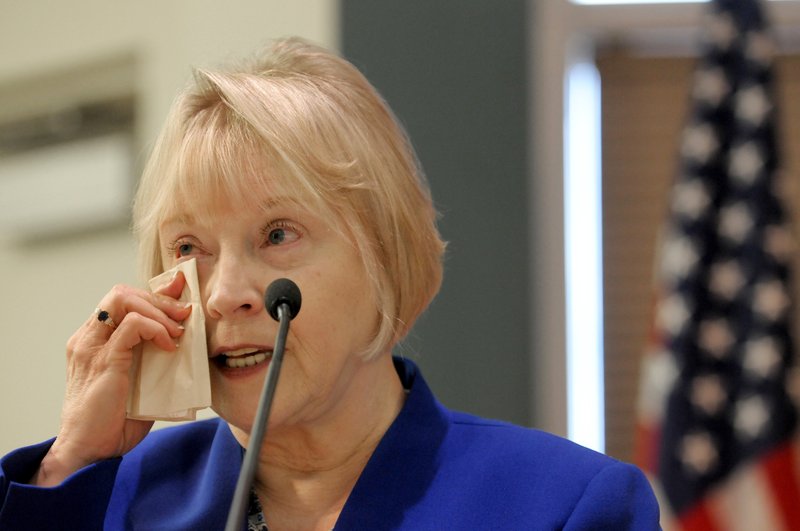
454, 71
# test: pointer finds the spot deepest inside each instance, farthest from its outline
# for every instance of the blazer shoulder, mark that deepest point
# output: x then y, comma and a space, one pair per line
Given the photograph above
553, 479
526, 445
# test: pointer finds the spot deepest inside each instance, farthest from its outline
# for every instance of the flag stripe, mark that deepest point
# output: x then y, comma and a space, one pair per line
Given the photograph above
746, 502
784, 485
646, 449
698, 518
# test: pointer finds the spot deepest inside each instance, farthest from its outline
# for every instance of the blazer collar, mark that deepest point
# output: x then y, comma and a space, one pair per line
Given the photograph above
404, 463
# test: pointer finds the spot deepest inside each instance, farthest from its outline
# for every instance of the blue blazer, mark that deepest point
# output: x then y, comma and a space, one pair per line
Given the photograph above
434, 469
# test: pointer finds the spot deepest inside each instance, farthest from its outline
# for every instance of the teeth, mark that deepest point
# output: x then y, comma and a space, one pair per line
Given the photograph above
240, 351
245, 361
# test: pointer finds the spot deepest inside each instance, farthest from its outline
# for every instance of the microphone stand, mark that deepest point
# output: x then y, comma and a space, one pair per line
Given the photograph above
241, 496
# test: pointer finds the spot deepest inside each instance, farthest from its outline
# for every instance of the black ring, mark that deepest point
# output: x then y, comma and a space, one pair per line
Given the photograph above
105, 318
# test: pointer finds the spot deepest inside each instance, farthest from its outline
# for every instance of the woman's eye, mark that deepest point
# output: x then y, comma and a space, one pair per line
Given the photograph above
280, 234
179, 249
276, 236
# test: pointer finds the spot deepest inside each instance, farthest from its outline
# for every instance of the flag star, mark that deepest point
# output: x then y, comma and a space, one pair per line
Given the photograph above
746, 163
779, 243
679, 257
673, 313
708, 394
710, 85
762, 357
793, 385
715, 337
735, 222
698, 453
760, 48
752, 105
770, 299
726, 279
690, 198
659, 372
751, 417
722, 30
699, 143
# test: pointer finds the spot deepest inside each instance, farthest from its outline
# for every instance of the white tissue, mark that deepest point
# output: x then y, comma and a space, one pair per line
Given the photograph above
173, 385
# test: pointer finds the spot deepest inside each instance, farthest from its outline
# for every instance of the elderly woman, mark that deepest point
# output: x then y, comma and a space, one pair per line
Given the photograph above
294, 167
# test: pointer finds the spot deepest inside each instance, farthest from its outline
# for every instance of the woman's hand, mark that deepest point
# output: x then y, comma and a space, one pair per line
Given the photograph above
99, 358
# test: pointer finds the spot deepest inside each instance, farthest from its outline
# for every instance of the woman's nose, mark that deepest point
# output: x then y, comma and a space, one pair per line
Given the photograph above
233, 291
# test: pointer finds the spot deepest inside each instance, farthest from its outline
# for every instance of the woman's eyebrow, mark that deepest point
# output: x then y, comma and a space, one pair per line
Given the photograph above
280, 201
187, 218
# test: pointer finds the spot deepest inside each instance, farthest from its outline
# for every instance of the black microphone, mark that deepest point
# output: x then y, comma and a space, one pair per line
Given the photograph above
282, 291
282, 300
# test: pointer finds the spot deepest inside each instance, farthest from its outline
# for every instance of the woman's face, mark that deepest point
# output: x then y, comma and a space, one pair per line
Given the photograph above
239, 252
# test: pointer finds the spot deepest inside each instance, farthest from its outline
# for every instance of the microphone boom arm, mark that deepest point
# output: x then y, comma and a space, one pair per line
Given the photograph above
241, 496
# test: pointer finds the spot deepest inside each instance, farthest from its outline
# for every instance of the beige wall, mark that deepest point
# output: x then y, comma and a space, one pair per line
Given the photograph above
48, 288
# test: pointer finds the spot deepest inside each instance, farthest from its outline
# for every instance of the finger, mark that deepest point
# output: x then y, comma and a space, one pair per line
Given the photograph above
173, 287
166, 310
97, 326
116, 348
177, 310
122, 300
135, 329
169, 294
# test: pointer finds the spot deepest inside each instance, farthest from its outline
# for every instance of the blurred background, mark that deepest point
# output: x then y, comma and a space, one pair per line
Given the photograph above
487, 91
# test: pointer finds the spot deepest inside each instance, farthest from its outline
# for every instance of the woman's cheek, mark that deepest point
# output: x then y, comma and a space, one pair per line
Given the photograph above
286, 261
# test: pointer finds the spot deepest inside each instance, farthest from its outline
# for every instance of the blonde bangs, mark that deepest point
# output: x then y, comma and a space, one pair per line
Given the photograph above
221, 161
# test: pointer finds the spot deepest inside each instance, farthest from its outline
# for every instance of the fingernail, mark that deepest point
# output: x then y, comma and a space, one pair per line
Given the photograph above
181, 327
177, 345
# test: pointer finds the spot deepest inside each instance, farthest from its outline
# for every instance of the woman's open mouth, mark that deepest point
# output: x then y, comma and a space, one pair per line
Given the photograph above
244, 357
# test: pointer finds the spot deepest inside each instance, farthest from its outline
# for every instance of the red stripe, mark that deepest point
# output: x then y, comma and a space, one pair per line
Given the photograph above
648, 433
646, 449
781, 471
698, 518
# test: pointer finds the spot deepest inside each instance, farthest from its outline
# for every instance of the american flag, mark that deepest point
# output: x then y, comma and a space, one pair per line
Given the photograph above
717, 410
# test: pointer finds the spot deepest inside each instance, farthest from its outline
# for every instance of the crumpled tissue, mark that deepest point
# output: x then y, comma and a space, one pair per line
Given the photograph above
173, 385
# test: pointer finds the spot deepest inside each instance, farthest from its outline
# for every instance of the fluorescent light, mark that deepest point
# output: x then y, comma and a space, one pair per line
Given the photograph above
628, 2
625, 2
584, 255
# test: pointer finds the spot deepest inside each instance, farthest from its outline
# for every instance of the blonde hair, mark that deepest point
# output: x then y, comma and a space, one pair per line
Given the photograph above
302, 113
